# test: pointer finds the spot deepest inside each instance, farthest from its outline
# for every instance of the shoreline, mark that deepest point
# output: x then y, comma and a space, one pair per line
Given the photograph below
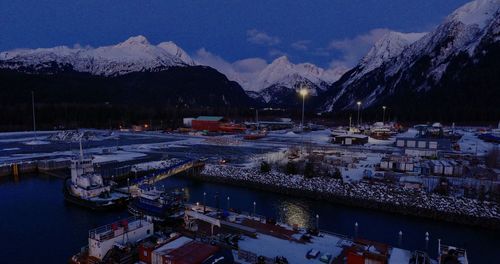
472, 221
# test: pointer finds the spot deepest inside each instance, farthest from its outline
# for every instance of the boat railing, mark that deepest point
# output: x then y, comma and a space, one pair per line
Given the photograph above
345, 237
107, 231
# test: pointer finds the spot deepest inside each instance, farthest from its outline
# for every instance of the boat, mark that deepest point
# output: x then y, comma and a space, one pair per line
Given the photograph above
86, 187
381, 133
254, 136
490, 137
158, 204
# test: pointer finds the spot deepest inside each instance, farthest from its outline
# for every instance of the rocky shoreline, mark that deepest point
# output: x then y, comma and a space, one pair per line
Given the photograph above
406, 202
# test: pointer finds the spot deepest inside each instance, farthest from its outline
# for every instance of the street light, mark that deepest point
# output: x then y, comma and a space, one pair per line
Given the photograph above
254, 204
317, 222
303, 92
228, 199
383, 115
359, 107
204, 202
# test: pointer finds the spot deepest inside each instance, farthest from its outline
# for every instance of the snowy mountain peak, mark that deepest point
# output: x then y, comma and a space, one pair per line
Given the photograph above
281, 60
388, 47
282, 72
134, 41
416, 63
173, 49
477, 12
131, 55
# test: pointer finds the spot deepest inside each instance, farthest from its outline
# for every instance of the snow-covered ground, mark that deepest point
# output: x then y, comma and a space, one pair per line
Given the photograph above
35, 142
295, 252
117, 156
470, 143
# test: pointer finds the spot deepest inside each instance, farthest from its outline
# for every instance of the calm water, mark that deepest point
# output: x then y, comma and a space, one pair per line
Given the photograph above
36, 226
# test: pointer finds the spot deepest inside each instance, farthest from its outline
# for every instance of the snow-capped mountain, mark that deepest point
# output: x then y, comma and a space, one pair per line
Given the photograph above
284, 73
426, 67
133, 55
277, 84
131, 73
388, 47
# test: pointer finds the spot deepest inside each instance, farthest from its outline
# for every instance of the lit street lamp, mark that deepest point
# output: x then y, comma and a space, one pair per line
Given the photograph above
228, 200
254, 204
383, 115
317, 222
359, 107
303, 92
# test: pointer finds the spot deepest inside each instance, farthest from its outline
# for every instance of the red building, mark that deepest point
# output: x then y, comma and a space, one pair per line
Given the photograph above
208, 123
215, 124
365, 251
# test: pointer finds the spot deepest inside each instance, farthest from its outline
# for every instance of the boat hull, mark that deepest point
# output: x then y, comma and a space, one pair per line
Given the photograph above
108, 204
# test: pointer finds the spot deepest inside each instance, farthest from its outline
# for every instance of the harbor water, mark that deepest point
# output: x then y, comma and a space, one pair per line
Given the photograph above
37, 226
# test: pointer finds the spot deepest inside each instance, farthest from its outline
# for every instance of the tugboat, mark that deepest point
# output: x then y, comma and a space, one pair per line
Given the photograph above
86, 188
161, 206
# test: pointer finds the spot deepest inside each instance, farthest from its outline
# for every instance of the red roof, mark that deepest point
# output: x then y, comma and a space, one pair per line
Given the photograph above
191, 253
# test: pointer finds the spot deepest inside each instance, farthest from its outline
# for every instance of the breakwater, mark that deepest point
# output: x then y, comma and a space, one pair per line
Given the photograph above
394, 199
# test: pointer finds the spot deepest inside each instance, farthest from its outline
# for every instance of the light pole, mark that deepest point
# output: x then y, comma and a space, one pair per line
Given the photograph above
204, 202
303, 92
254, 204
383, 115
228, 201
426, 240
317, 222
359, 107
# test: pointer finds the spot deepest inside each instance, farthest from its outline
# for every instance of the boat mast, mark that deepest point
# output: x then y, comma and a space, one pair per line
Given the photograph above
257, 118
81, 150
33, 108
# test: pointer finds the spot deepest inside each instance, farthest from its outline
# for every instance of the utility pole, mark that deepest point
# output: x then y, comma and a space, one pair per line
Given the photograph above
383, 115
33, 108
359, 107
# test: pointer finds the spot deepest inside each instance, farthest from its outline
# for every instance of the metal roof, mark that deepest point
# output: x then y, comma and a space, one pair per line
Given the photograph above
210, 118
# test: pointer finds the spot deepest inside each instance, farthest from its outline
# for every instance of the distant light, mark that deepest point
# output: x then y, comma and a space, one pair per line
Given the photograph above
303, 92
384, 107
146, 125
359, 103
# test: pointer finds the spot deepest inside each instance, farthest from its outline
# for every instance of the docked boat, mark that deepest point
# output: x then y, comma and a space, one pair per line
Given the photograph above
86, 187
381, 133
158, 204
254, 136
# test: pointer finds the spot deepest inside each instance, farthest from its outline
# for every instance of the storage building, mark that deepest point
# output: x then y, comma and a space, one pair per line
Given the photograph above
207, 123
350, 139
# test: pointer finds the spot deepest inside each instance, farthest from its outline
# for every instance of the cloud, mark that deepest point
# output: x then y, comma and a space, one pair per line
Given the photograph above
79, 46
301, 45
320, 52
274, 53
353, 49
261, 38
241, 71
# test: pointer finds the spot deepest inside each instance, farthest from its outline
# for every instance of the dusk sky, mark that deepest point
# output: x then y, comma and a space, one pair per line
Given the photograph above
323, 32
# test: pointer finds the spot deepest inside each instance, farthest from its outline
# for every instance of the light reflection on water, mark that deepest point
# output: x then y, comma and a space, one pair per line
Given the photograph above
374, 225
295, 214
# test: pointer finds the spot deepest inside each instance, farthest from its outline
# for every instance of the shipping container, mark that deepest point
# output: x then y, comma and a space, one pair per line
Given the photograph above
447, 168
437, 167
